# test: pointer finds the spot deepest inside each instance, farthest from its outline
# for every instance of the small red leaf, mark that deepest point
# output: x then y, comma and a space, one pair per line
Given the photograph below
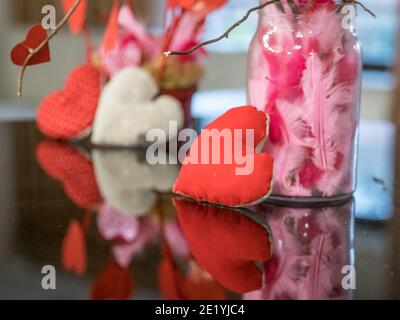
111, 33
34, 37
180, 3
77, 20
73, 253
201, 7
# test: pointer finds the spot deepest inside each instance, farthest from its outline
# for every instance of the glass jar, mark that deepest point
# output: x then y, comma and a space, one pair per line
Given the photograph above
304, 70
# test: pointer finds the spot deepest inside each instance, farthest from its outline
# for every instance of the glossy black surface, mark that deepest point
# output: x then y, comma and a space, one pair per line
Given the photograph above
62, 205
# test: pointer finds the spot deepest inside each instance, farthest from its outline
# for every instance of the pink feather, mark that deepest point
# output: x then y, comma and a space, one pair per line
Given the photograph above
290, 154
125, 252
188, 34
322, 26
326, 104
134, 28
339, 180
114, 225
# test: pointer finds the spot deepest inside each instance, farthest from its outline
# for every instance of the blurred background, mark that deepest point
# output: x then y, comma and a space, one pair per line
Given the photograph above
226, 66
377, 239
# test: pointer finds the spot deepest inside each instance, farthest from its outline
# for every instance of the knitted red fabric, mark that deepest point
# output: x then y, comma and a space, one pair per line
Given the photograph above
64, 163
225, 243
70, 113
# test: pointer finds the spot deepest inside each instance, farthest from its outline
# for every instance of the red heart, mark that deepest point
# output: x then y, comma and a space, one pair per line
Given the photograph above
220, 183
70, 113
176, 286
225, 243
63, 162
73, 252
35, 36
113, 282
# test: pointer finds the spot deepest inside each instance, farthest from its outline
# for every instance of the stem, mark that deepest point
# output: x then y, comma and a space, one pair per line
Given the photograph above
33, 52
225, 34
349, 2
278, 3
293, 6
365, 8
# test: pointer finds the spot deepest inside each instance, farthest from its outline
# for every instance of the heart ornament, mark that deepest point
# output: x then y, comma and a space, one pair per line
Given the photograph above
35, 36
241, 176
69, 114
129, 109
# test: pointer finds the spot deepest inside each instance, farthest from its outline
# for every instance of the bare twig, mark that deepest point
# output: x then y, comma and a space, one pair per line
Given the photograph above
365, 8
354, 2
293, 6
279, 5
34, 51
225, 35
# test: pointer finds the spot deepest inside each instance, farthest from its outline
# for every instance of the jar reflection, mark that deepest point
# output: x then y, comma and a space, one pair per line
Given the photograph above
311, 246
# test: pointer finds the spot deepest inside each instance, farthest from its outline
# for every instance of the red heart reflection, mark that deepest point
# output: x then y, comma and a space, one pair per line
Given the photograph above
225, 243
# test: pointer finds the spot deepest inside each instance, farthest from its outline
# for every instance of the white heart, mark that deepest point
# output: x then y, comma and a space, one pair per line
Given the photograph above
128, 110
128, 183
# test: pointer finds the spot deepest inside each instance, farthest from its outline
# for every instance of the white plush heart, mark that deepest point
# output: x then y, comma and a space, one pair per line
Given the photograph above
128, 183
128, 110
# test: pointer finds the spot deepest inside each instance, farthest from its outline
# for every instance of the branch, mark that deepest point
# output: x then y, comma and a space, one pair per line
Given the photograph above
349, 2
278, 3
365, 8
225, 34
33, 52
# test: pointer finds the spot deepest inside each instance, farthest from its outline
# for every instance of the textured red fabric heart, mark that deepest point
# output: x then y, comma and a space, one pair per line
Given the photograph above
63, 162
73, 252
35, 36
220, 183
70, 113
113, 283
176, 286
225, 243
